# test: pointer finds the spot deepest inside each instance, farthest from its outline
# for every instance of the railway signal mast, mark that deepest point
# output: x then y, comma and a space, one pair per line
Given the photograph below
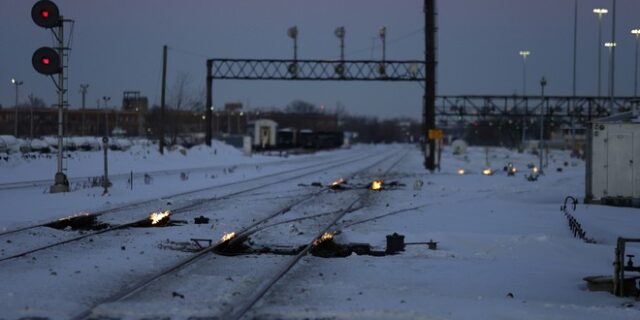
50, 61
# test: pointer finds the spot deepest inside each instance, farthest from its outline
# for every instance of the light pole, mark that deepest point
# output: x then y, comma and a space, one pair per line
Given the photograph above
611, 46
524, 55
17, 84
105, 146
600, 12
543, 83
83, 91
340, 33
383, 37
636, 32
106, 116
293, 34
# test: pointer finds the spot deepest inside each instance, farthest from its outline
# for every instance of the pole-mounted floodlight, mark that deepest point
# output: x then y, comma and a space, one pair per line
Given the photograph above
600, 12
382, 32
610, 46
340, 33
636, 32
293, 34
17, 84
543, 83
524, 54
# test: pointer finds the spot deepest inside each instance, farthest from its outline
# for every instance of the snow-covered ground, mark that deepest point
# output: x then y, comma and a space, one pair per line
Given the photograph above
504, 248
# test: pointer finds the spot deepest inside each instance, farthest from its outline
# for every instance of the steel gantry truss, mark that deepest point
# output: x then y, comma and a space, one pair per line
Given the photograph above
316, 70
580, 109
419, 71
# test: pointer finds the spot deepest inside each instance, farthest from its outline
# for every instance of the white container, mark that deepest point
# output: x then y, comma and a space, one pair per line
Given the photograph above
264, 133
613, 162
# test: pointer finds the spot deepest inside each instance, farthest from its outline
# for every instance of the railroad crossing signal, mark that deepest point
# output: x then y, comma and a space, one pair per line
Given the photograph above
46, 60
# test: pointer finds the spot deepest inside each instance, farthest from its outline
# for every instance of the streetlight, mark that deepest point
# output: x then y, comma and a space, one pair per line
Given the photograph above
543, 83
524, 55
610, 45
16, 83
636, 32
600, 12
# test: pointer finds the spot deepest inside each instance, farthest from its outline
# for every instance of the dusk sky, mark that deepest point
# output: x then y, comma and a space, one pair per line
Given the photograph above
117, 46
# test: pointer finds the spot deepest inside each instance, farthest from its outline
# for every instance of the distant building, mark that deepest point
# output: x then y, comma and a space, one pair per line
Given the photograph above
133, 101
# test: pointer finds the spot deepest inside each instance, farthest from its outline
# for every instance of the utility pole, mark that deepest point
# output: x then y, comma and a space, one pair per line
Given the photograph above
429, 99
105, 147
106, 115
575, 54
612, 65
162, 98
209, 105
83, 91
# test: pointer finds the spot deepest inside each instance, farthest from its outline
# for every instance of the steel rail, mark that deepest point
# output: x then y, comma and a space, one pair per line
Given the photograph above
242, 234
179, 210
135, 204
262, 290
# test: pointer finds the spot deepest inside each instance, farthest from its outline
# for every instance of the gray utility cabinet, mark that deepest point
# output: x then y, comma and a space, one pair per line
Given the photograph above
613, 161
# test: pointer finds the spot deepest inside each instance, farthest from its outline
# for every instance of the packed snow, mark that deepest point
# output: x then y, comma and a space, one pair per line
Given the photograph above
504, 250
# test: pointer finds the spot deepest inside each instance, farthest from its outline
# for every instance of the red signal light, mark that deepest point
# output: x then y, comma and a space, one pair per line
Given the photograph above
44, 13
46, 61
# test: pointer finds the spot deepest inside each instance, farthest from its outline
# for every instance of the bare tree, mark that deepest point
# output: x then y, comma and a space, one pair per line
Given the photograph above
178, 98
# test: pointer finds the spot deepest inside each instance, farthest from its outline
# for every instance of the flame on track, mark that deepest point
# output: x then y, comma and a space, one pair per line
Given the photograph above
487, 172
461, 172
157, 217
376, 184
337, 183
228, 236
325, 237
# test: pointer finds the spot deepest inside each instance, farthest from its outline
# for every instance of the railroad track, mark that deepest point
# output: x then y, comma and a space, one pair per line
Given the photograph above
136, 204
190, 204
241, 236
136, 175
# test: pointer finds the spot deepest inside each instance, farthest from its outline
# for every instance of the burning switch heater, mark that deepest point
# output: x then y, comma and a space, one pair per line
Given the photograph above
376, 185
338, 184
155, 219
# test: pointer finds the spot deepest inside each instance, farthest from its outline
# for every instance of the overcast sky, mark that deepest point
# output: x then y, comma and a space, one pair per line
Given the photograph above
117, 46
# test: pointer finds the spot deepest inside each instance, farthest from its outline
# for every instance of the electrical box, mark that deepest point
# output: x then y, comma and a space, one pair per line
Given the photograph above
613, 161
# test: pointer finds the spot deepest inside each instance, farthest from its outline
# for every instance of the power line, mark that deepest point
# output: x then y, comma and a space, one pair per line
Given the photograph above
395, 40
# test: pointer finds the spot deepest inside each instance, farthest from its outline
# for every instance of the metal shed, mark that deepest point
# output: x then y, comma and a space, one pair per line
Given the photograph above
613, 160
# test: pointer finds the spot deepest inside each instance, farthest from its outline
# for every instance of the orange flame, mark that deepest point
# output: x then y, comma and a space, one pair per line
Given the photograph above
376, 184
325, 237
337, 183
487, 172
228, 236
461, 172
156, 217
